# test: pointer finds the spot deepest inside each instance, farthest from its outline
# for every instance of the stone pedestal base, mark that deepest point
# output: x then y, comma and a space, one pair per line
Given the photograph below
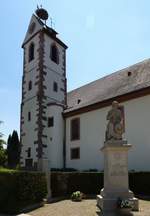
109, 204
43, 165
115, 176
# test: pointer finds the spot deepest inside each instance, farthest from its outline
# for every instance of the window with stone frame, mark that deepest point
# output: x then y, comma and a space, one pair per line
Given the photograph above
31, 52
55, 87
29, 152
50, 122
54, 54
75, 153
30, 85
75, 129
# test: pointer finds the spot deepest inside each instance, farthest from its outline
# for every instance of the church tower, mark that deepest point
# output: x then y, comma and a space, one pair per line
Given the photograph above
43, 94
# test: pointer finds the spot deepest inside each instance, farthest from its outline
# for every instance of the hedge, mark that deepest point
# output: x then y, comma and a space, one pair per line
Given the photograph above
18, 189
139, 182
64, 183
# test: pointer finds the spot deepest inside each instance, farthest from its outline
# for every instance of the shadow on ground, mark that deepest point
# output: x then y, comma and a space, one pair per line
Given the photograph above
100, 213
143, 197
67, 197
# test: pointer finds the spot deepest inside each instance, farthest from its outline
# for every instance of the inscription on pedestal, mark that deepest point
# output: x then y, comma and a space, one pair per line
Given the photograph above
118, 170
118, 165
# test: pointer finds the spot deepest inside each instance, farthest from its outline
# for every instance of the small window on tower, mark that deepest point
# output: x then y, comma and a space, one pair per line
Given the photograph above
54, 54
30, 85
29, 116
50, 121
29, 152
31, 52
55, 87
75, 153
75, 129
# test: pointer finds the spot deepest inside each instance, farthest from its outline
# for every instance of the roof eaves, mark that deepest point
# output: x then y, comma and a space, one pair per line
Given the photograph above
101, 104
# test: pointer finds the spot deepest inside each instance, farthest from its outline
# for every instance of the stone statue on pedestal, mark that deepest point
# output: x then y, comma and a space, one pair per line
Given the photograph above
115, 150
115, 126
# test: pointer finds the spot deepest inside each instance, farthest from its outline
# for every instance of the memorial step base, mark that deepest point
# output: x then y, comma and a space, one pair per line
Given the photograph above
108, 204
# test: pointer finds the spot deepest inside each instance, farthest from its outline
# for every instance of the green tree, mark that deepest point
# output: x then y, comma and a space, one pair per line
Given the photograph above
3, 156
1, 140
9, 150
13, 150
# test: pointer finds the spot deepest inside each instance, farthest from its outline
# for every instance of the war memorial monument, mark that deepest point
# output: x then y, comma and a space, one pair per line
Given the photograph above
115, 150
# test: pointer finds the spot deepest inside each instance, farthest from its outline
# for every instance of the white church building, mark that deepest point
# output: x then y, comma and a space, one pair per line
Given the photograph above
68, 128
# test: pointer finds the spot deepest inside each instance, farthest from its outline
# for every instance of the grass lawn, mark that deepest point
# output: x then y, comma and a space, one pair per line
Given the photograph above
2, 169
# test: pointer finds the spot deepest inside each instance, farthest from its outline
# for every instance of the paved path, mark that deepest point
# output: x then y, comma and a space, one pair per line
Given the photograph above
84, 208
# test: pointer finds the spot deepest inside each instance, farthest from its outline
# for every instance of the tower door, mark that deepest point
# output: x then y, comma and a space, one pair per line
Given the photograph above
29, 163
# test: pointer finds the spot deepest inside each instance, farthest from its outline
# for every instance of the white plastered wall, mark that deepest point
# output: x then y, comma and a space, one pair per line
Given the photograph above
55, 134
29, 66
92, 133
52, 65
29, 129
55, 72
30, 103
55, 137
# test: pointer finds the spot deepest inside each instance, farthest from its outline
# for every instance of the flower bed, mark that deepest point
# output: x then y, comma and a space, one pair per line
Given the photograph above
124, 205
77, 196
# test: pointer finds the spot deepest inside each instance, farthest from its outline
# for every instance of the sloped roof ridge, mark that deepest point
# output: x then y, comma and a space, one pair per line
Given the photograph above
113, 73
39, 20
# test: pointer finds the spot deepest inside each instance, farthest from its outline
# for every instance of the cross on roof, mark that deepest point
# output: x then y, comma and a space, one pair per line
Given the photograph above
52, 23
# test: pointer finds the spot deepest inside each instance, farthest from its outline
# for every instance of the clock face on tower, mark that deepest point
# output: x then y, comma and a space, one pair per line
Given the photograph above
32, 27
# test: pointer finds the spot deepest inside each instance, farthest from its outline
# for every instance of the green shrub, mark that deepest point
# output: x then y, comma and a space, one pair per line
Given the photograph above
139, 182
88, 183
65, 183
19, 189
76, 196
59, 182
63, 170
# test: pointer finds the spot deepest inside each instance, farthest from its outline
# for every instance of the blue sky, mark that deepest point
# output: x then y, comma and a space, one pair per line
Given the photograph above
103, 36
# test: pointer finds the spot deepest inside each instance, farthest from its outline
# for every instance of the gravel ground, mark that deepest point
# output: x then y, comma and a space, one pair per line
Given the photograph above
84, 208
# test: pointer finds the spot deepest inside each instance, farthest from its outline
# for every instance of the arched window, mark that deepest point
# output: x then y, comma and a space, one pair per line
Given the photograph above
31, 52
30, 85
54, 54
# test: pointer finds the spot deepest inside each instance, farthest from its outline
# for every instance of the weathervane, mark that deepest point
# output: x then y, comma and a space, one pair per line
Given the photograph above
52, 23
